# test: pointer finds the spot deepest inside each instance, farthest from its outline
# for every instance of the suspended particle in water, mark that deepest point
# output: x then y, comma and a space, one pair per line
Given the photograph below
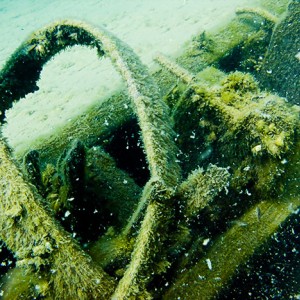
209, 264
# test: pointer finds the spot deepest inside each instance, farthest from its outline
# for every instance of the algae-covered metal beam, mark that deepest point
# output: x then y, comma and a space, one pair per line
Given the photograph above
153, 117
119, 190
281, 67
247, 236
231, 251
238, 45
40, 243
22, 70
93, 127
231, 104
117, 109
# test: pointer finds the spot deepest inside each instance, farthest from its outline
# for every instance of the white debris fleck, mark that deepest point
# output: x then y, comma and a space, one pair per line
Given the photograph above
298, 56
48, 246
296, 211
125, 181
208, 262
71, 199
284, 161
256, 149
1, 293
269, 71
226, 190
247, 168
67, 213
106, 122
248, 193
205, 242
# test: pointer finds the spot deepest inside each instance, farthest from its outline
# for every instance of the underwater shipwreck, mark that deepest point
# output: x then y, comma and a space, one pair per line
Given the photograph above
183, 186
